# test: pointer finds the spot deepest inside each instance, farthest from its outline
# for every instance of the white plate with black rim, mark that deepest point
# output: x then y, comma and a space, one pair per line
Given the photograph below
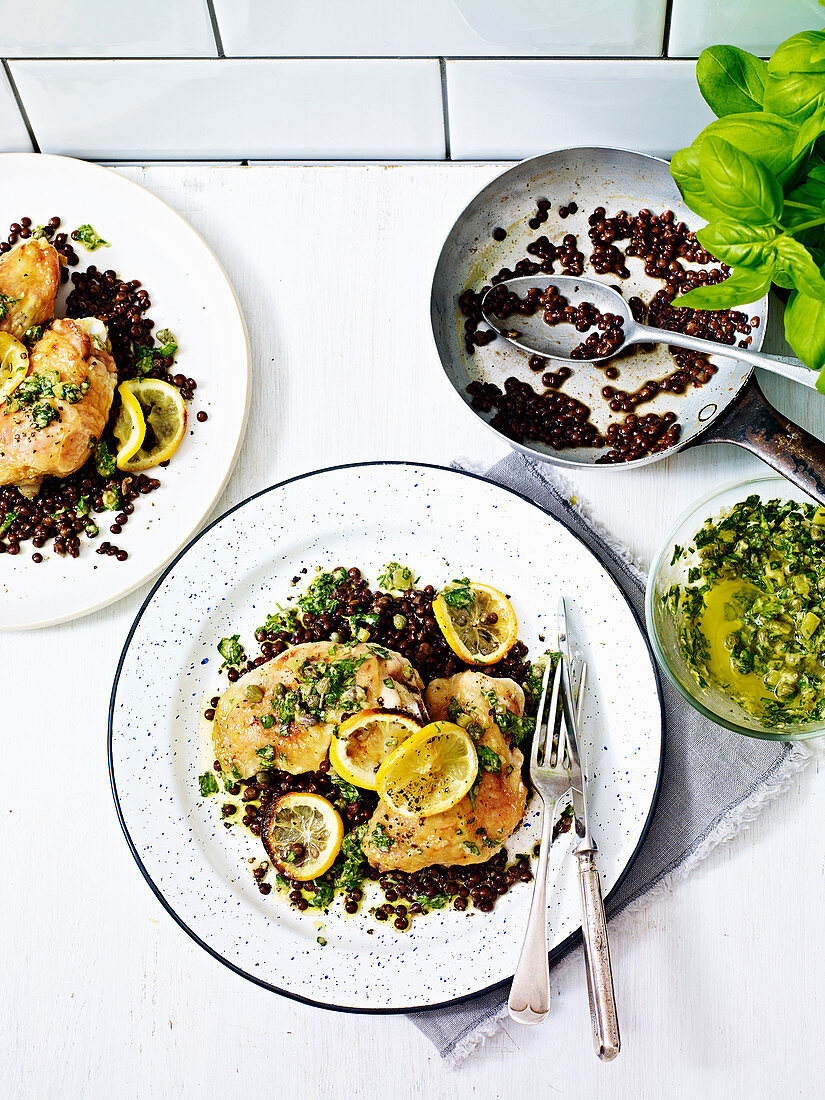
443, 524
190, 295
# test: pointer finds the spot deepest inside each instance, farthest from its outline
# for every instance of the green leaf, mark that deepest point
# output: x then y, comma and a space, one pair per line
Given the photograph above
735, 243
795, 97
738, 184
742, 288
812, 128
805, 331
488, 760
208, 784
794, 259
85, 235
731, 80
766, 137
685, 171
801, 53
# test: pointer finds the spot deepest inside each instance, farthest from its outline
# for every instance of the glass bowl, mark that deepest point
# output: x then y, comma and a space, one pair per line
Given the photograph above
663, 625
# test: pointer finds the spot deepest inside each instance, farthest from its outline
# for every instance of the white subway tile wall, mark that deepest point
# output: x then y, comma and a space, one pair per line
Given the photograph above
107, 28
489, 28
14, 137
176, 80
513, 109
235, 109
755, 25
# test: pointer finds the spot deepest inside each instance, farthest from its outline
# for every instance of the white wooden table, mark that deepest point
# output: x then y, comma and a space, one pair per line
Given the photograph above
721, 986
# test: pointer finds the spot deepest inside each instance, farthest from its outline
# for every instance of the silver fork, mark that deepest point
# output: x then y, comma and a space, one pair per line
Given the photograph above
529, 1000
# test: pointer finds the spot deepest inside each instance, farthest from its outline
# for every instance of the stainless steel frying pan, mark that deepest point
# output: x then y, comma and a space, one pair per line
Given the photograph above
730, 408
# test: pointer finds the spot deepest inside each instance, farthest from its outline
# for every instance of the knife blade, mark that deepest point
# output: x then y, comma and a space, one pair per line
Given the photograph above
603, 1017
577, 778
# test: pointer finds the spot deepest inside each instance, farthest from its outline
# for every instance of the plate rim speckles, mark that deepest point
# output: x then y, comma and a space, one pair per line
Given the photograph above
137, 803
192, 295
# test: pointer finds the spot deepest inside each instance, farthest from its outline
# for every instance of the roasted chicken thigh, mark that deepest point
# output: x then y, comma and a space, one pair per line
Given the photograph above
51, 421
29, 281
477, 827
283, 713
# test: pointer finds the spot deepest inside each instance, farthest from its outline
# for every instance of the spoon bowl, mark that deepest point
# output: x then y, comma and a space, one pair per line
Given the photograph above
515, 309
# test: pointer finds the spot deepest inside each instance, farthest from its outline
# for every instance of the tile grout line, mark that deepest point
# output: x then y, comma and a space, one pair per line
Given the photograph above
216, 30
581, 58
666, 30
20, 107
445, 110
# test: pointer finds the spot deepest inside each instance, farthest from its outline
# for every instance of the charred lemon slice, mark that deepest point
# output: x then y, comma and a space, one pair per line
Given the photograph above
302, 834
362, 744
477, 621
130, 427
14, 364
430, 772
165, 416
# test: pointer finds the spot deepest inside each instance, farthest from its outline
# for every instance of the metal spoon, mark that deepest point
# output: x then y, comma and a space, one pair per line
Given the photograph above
532, 334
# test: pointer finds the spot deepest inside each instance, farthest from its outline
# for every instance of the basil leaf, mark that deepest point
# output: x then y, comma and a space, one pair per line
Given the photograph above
742, 288
737, 244
767, 137
794, 259
737, 184
795, 97
801, 53
685, 171
812, 128
731, 80
805, 331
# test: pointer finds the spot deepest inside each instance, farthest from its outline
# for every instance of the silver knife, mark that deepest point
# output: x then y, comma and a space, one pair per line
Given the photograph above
606, 1038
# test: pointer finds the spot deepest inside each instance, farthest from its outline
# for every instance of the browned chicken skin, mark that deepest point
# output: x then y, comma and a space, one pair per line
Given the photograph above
65, 355
378, 678
475, 829
29, 281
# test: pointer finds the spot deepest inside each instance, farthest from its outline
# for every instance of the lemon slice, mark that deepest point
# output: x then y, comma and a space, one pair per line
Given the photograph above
165, 415
362, 744
477, 621
302, 834
130, 427
429, 772
14, 364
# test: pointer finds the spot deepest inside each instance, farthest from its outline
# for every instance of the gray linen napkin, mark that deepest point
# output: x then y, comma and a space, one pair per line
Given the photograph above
713, 783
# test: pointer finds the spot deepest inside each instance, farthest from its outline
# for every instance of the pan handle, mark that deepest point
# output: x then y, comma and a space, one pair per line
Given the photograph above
754, 424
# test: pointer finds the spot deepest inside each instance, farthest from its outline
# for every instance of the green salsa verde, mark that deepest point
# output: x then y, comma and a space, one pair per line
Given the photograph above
751, 613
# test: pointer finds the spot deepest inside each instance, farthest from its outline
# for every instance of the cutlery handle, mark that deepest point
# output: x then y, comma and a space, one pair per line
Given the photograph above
529, 1000
603, 1017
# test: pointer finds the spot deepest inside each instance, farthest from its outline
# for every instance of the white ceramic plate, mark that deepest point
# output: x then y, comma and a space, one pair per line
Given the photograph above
443, 524
190, 295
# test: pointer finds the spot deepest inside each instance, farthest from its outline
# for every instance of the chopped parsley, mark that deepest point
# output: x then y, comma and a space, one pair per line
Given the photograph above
346, 790
33, 334
267, 755
488, 760
231, 650
104, 459
85, 235
468, 844
510, 724
208, 784
459, 593
43, 414
320, 594
5, 302
284, 619
381, 838
8, 521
